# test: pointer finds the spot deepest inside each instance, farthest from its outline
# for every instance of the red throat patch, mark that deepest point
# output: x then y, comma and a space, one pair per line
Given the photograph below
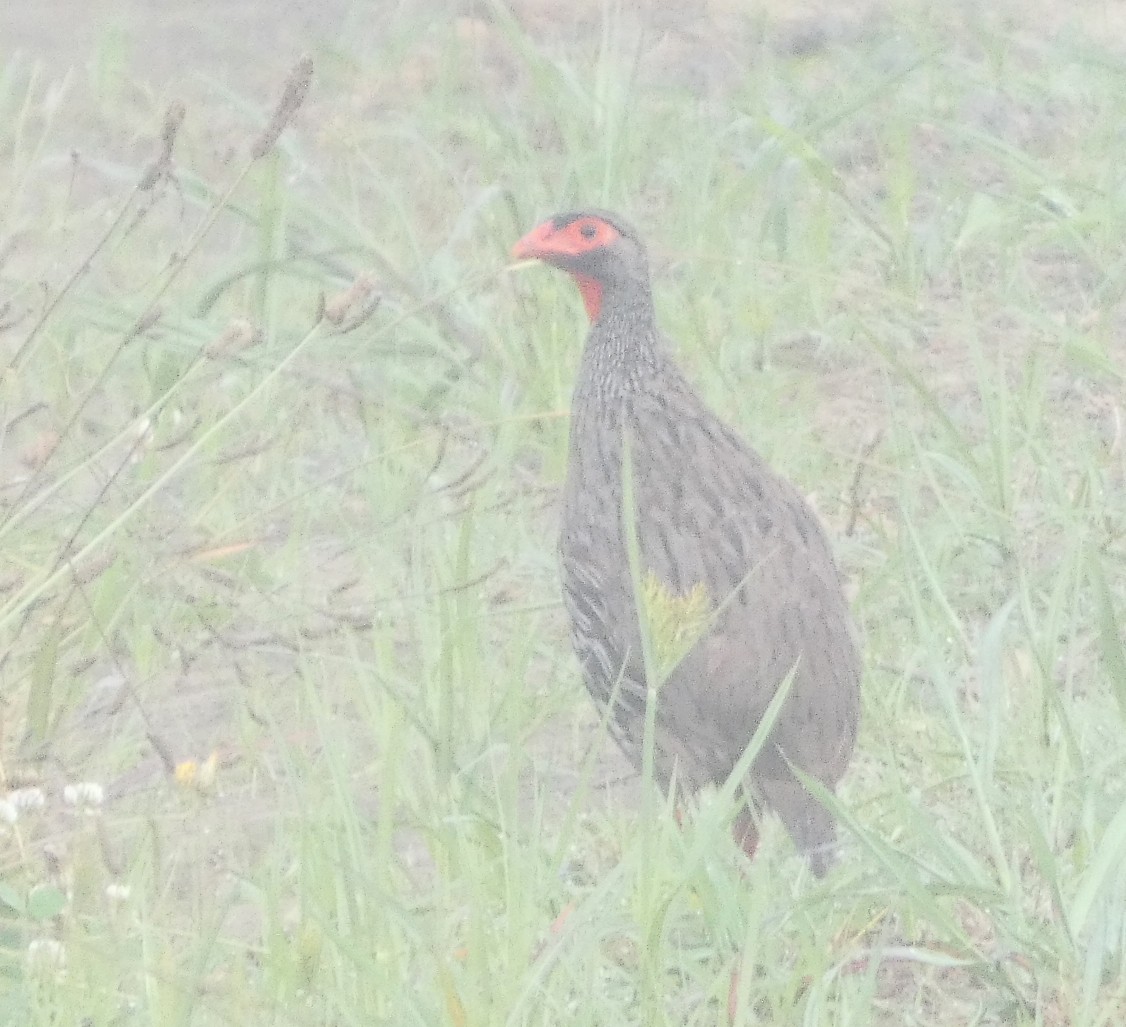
591, 291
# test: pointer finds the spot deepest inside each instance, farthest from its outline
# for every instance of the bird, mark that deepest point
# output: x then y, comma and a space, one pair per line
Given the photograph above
668, 514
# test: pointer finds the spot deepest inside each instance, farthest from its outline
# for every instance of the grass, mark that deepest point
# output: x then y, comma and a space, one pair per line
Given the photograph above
279, 573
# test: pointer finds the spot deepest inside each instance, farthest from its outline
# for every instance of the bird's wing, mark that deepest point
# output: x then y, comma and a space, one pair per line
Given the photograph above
711, 512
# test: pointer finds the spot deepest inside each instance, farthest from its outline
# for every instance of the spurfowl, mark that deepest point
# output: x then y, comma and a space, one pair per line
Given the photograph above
722, 542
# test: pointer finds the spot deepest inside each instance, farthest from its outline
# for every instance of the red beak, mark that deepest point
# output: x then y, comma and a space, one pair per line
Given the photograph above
531, 246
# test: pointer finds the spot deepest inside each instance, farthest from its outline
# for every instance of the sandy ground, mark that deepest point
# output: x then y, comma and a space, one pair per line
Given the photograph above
248, 44
245, 44
176, 48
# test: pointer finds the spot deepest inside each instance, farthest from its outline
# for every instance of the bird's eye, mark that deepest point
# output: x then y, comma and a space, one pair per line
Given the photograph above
588, 229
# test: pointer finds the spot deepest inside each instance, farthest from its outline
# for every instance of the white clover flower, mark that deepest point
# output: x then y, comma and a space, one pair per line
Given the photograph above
45, 955
84, 793
25, 799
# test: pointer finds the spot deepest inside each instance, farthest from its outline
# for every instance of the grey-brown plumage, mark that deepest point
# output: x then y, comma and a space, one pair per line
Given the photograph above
709, 512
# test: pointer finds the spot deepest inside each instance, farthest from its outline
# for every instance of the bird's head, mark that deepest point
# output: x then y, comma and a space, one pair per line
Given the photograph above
598, 249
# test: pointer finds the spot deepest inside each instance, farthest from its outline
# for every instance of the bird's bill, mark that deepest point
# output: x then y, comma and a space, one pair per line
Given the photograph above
536, 245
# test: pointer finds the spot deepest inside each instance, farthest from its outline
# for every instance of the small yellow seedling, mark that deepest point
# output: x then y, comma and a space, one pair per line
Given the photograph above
675, 622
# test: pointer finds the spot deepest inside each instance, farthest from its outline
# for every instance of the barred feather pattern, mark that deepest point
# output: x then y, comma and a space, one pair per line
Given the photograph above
708, 510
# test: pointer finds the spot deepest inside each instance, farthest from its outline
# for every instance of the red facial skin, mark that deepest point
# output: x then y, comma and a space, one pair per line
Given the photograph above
565, 246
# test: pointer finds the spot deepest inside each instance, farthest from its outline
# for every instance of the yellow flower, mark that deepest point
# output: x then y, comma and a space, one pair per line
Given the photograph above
201, 776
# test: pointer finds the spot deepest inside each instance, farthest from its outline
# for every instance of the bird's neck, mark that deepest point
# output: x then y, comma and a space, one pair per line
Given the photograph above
623, 349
